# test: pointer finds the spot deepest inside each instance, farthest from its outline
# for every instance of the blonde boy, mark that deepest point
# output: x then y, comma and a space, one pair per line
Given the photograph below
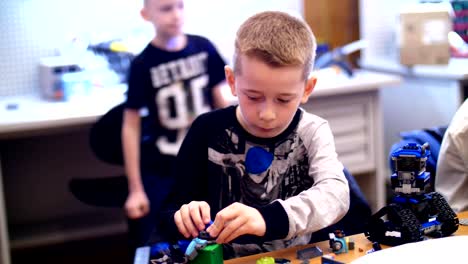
265, 170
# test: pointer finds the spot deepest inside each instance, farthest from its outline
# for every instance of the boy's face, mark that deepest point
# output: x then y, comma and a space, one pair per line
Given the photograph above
268, 96
167, 16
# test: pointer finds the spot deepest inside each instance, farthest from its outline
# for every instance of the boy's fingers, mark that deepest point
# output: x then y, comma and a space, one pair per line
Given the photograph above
214, 228
221, 219
187, 220
232, 230
180, 225
143, 209
195, 212
135, 212
200, 213
205, 213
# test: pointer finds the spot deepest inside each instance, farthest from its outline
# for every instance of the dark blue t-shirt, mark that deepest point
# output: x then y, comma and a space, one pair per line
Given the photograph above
175, 87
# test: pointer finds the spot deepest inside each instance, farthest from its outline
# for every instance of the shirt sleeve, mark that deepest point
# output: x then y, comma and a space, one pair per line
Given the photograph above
215, 65
137, 80
452, 169
327, 201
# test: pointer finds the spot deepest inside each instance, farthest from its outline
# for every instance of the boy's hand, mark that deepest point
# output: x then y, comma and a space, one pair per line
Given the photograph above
235, 220
137, 205
192, 218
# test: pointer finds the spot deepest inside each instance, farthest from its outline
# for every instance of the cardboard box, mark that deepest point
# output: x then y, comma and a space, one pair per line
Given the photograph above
423, 34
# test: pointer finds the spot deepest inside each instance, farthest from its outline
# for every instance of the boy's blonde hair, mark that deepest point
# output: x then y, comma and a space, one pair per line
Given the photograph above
276, 38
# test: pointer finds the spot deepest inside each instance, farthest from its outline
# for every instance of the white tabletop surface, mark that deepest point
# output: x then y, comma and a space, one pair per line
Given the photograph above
31, 112
457, 69
431, 251
361, 81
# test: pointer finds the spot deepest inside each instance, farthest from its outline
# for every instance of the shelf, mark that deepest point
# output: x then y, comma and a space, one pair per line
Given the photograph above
65, 230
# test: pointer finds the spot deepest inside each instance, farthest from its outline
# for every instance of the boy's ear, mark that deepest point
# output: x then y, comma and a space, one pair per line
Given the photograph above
144, 14
230, 79
309, 87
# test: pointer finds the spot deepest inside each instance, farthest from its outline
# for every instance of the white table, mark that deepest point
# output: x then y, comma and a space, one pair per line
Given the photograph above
30, 113
352, 105
455, 70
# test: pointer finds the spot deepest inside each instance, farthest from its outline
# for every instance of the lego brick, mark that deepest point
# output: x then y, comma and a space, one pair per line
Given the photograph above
211, 254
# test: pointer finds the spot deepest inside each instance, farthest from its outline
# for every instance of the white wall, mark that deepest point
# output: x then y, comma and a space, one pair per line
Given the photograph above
37, 28
220, 19
418, 102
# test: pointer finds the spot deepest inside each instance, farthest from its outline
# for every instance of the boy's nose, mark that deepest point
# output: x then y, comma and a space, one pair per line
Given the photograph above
178, 14
267, 113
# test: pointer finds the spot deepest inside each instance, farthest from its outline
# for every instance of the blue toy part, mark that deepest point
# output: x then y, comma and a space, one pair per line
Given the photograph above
335, 57
322, 48
413, 149
194, 246
183, 244
433, 136
160, 248
205, 235
409, 175
405, 200
163, 253
338, 242
431, 226
198, 243
375, 247
338, 56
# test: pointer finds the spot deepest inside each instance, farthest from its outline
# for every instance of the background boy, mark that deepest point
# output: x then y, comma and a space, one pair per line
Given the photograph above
175, 78
266, 171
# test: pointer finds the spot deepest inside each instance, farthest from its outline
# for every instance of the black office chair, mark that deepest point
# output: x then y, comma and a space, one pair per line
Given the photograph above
355, 220
105, 142
102, 192
105, 136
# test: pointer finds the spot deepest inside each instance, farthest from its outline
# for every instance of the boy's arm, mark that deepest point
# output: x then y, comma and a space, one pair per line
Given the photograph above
327, 201
137, 204
452, 167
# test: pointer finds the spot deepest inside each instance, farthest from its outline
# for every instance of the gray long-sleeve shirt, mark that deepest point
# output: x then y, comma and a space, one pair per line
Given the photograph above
295, 179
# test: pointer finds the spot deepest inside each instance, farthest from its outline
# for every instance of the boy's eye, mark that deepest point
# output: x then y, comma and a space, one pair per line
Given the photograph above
253, 98
166, 8
284, 101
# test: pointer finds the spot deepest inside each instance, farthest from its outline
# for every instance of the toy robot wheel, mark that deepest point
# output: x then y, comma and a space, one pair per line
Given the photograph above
445, 214
400, 220
410, 226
